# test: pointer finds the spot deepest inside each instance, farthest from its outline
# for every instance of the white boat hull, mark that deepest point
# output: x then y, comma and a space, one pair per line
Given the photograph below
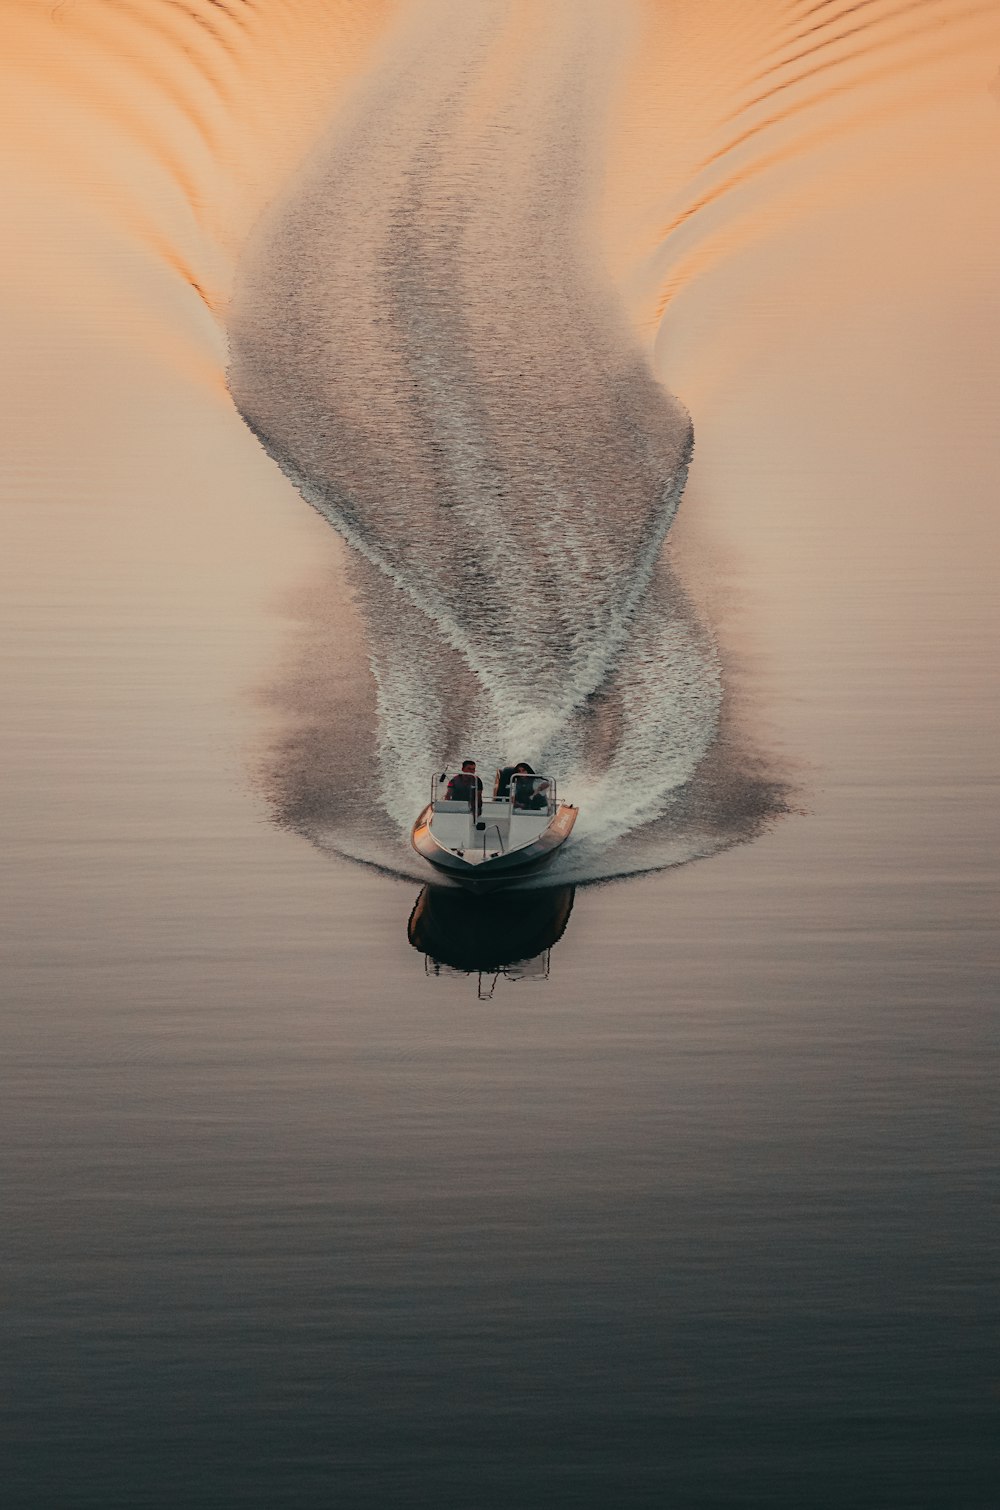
494, 848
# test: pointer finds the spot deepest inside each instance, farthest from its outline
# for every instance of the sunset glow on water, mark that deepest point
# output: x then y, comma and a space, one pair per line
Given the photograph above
607, 385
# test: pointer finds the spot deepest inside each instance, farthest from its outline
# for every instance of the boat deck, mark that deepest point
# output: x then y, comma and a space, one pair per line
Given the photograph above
455, 827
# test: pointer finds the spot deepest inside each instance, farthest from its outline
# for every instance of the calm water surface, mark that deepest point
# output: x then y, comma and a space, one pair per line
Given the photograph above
695, 1210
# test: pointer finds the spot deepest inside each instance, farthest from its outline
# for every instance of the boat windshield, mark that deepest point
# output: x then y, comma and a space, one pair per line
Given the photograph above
532, 794
455, 790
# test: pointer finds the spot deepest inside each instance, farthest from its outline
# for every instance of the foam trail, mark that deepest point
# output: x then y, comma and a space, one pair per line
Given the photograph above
422, 340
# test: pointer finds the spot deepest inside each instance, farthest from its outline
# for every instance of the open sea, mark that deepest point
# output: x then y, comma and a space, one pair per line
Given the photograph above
611, 384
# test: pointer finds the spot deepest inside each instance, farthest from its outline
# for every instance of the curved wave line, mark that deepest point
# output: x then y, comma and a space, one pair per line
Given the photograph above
970, 13
697, 261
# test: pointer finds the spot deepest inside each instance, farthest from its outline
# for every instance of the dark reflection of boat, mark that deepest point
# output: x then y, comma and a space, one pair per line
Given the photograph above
508, 932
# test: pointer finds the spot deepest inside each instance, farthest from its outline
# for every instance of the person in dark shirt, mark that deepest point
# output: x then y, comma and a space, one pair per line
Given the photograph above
466, 787
521, 769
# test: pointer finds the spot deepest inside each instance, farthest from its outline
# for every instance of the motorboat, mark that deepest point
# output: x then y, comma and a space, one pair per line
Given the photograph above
479, 840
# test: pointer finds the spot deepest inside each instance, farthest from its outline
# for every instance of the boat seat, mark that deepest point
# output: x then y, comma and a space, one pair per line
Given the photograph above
452, 805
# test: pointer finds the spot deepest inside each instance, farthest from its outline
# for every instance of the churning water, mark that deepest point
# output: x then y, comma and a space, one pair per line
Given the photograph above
425, 343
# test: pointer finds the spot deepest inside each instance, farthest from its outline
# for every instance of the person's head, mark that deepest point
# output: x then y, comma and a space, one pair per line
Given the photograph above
469, 765
522, 769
